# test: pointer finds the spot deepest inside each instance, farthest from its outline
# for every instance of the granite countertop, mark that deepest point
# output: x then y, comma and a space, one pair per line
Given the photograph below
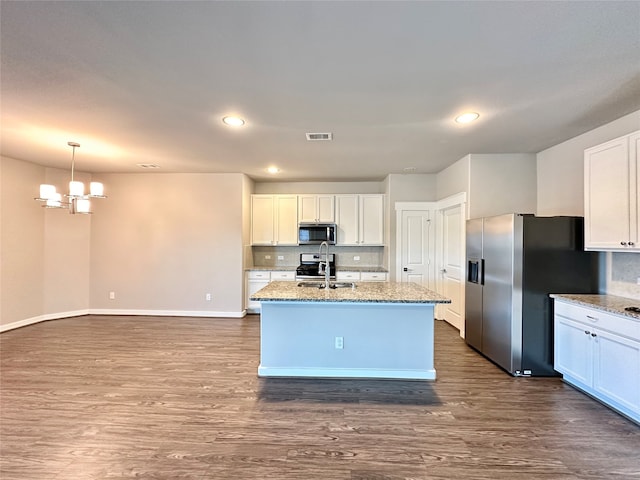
362, 269
291, 268
607, 303
364, 292
274, 268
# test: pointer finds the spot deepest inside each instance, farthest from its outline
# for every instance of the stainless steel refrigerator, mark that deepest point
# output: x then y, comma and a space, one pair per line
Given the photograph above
513, 263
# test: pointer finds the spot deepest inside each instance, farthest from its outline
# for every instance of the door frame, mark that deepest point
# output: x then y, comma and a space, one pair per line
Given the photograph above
455, 200
436, 237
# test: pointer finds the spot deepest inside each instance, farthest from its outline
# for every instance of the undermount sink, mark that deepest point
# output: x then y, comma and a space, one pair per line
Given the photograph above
311, 284
331, 284
342, 285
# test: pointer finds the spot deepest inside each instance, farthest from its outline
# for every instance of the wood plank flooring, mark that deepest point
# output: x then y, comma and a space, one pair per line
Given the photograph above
178, 398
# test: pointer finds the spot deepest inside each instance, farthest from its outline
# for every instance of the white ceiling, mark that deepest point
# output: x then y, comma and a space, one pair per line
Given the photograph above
148, 82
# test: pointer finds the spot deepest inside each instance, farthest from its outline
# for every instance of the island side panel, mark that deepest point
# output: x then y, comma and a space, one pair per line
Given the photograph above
380, 340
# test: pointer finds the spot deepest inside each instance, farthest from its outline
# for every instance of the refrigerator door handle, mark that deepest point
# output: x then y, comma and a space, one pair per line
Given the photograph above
482, 271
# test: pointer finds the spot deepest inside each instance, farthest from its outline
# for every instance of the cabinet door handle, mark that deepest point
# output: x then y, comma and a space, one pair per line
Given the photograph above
594, 335
623, 244
587, 332
593, 319
631, 244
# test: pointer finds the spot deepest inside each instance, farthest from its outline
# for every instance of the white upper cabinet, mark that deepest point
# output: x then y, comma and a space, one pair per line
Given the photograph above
316, 208
611, 195
360, 219
274, 219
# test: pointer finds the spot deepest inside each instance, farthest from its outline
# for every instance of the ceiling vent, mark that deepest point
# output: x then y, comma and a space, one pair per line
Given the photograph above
314, 137
147, 165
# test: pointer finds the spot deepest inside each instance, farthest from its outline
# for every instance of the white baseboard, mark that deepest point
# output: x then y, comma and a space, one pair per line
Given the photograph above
98, 311
166, 313
42, 318
347, 373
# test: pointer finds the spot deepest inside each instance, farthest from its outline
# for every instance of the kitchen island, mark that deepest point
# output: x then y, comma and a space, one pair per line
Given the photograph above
371, 330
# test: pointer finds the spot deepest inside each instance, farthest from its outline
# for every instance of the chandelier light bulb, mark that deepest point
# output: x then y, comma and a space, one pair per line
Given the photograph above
55, 201
47, 191
96, 189
76, 189
83, 205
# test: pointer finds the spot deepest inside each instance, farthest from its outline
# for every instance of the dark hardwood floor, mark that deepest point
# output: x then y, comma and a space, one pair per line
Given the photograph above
178, 398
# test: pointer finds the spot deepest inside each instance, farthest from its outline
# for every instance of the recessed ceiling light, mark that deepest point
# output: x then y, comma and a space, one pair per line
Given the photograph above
467, 117
273, 170
233, 121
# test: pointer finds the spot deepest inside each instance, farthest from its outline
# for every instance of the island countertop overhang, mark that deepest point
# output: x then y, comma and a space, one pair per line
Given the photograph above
364, 292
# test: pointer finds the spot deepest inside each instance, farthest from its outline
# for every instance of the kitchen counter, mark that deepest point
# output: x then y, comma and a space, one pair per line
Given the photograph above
361, 269
281, 268
606, 303
364, 292
375, 330
289, 268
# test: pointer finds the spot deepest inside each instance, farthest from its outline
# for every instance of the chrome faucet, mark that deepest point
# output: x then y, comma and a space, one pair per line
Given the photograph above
325, 264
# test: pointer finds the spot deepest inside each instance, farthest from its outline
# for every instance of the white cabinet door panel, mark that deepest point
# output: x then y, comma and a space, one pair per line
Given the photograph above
617, 369
573, 350
347, 219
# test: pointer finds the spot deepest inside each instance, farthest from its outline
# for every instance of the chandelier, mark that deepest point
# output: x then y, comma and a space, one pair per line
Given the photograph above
76, 200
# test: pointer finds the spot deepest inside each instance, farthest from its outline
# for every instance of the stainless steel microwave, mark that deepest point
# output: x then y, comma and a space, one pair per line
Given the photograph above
316, 233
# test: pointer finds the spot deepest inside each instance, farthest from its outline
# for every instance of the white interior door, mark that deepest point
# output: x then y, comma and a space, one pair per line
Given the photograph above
452, 266
415, 246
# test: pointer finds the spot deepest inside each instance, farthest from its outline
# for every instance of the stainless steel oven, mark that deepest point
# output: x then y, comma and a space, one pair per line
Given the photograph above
312, 266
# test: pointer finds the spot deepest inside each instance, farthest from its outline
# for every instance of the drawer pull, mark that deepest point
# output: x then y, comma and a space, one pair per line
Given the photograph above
593, 319
594, 335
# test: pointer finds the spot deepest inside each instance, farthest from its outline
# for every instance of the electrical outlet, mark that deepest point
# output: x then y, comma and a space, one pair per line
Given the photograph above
339, 343
112, 295
280, 257
207, 297
267, 257
356, 258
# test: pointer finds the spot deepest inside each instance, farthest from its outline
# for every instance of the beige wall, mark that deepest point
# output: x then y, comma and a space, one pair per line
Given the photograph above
404, 188
22, 241
454, 179
66, 252
561, 167
501, 183
494, 183
161, 242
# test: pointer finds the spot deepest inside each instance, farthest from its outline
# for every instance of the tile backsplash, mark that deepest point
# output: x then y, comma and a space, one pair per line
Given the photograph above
290, 256
623, 274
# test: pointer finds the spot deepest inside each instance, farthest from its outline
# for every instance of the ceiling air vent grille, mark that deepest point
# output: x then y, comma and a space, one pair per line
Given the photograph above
314, 137
147, 165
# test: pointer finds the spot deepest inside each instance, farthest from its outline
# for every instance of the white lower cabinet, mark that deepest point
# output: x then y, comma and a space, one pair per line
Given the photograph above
257, 279
348, 276
599, 352
374, 276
